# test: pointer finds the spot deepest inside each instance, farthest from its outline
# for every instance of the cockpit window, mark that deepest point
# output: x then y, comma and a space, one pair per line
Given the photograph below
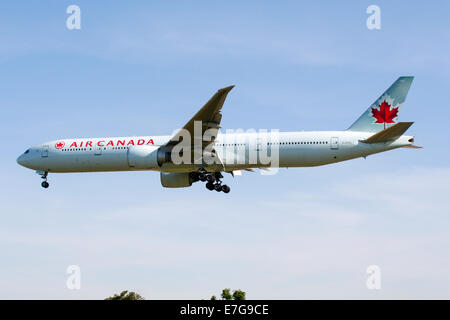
27, 151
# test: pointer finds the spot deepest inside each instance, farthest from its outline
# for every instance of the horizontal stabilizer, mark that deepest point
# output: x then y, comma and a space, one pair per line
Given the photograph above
389, 134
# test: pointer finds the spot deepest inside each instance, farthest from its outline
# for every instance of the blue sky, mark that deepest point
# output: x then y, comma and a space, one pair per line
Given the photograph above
144, 68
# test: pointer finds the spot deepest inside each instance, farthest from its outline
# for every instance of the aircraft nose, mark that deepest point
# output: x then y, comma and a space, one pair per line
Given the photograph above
21, 160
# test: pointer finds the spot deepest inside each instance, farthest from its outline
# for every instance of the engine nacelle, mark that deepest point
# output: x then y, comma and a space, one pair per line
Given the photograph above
175, 179
143, 157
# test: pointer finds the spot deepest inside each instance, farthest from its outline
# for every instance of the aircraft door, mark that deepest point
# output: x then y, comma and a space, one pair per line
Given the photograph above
44, 152
334, 143
98, 151
258, 144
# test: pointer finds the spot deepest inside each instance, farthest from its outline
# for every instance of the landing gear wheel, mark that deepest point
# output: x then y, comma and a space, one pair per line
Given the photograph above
213, 180
44, 184
218, 176
194, 176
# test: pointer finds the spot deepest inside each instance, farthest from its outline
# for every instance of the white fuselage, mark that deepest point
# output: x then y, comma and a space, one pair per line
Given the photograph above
295, 149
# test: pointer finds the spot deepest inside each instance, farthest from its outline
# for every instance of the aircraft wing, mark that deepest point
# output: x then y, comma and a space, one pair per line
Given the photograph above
206, 120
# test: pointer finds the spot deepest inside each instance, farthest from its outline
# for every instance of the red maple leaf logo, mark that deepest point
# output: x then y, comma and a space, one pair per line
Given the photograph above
59, 145
385, 114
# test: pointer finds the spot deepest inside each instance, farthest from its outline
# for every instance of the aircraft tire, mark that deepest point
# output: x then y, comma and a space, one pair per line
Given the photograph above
225, 188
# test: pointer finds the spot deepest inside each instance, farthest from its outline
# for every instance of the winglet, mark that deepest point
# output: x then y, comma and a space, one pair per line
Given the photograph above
226, 89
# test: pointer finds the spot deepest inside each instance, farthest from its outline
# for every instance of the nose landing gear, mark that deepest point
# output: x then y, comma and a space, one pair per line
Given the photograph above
43, 175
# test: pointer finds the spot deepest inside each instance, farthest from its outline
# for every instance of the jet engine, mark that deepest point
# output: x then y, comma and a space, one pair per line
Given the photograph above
176, 179
147, 157
152, 158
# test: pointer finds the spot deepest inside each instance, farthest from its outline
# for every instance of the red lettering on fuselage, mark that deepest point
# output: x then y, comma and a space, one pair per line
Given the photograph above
101, 143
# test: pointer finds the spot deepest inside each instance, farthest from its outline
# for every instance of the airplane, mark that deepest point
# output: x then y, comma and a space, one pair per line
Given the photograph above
183, 161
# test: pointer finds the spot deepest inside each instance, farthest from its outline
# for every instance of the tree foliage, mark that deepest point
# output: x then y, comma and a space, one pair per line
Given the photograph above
125, 295
226, 295
238, 295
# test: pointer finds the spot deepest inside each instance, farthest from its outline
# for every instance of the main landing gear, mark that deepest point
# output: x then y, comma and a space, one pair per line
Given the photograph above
43, 175
213, 180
